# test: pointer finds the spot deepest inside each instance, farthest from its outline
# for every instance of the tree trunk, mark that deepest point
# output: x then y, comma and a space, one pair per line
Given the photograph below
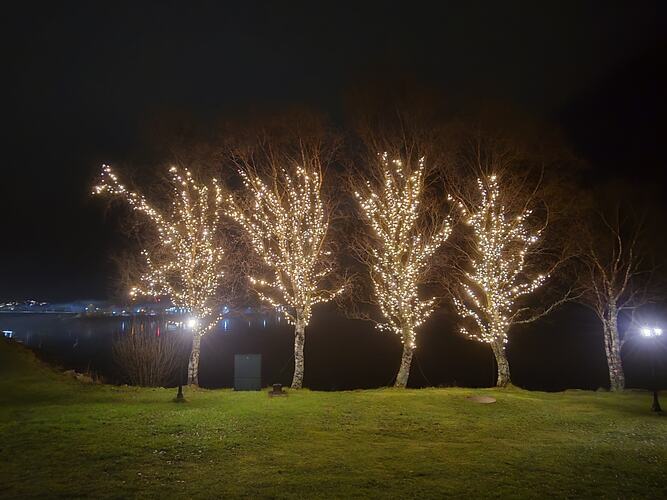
502, 364
612, 345
193, 366
299, 340
404, 370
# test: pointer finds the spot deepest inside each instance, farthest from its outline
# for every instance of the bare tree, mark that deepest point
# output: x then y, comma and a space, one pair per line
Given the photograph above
617, 280
286, 216
183, 259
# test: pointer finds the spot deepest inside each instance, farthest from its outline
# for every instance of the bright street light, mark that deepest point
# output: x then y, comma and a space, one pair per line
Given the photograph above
653, 333
191, 323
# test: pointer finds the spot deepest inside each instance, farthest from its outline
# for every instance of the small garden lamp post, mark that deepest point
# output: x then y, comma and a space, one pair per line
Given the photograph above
179, 395
190, 324
652, 334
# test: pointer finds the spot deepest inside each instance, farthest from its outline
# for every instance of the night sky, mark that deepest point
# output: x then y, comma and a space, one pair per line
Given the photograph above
85, 81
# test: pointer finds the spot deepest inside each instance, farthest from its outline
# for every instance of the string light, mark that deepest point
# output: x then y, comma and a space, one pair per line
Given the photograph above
497, 279
402, 251
186, 264
287, 226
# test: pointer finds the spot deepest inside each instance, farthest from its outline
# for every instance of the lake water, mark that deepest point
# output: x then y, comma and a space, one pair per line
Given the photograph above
346, 354
84, 343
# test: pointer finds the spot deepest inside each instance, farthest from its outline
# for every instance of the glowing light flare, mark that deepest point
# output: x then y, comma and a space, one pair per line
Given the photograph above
650, 332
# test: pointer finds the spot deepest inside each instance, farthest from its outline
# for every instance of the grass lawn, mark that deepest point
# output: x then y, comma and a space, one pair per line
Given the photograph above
62, 438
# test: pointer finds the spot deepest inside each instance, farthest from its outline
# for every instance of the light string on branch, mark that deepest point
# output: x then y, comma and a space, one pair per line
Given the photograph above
186, 264
287, 226
402, 249
497, 280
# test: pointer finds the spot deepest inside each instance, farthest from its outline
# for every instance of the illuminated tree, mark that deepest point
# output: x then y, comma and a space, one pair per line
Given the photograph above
185, 262
286, 220
498, 279
403, 240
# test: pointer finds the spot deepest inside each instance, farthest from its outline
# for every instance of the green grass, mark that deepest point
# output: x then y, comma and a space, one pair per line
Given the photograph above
61, 438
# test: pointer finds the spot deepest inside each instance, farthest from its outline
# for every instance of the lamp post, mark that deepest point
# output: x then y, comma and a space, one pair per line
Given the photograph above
179, 395
652, 334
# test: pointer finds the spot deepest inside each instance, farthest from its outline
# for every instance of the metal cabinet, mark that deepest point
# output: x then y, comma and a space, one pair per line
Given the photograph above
247, 372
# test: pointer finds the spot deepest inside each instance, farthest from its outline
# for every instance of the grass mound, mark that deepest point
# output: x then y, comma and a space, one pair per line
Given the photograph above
61, 438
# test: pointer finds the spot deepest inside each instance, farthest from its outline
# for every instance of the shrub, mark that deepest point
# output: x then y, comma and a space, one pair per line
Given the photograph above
146, 359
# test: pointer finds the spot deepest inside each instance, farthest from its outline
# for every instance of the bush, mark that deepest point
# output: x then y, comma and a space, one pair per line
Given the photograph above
146, 359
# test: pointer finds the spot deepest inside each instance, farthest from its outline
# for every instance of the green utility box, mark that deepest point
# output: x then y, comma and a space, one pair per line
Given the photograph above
247, 372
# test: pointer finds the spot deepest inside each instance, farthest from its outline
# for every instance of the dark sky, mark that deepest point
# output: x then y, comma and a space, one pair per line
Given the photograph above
83, 78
